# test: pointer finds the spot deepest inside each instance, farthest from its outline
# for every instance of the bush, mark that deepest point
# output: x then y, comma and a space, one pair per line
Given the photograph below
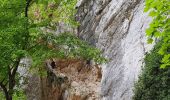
153, 83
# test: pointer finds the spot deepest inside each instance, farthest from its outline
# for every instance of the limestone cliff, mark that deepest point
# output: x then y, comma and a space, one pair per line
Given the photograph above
117, 27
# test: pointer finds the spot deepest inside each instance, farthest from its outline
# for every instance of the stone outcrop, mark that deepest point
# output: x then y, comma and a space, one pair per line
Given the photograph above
69, 79
117, 27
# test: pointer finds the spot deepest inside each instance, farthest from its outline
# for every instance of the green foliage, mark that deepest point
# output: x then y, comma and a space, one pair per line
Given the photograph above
2, 96
51, 12
160, 26
153, 83
18, 95
64, 45
24, 32
74, 47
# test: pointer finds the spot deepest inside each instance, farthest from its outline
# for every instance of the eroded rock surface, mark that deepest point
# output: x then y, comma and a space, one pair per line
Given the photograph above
117, 27
69, 79
84, 79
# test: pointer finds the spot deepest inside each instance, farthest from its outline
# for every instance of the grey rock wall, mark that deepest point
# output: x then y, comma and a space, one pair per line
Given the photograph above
117, 27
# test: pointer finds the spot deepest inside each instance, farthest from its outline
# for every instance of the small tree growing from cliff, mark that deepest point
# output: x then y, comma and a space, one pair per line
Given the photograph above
24, 33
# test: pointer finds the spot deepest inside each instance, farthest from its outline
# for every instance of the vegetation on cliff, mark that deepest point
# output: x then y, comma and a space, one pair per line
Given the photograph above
153, 83
160, 27
25, 31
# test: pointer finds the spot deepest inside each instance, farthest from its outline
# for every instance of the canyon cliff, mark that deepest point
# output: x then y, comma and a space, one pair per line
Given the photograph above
117, 28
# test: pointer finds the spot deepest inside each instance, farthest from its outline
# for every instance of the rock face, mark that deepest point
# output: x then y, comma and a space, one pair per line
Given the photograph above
84, 79
117, 27
69, 79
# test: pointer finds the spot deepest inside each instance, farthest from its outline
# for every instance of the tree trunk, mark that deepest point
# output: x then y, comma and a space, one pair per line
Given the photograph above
6, 92
9, 97
11, 80
6, 95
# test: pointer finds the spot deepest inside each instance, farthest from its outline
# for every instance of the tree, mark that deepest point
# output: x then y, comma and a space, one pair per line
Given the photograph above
153, 83
159, 28
23, 26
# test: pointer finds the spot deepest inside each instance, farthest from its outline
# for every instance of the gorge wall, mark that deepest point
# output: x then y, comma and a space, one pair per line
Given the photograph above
117, 27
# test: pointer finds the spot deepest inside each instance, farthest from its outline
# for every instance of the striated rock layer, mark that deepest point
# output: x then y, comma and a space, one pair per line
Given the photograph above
117, 27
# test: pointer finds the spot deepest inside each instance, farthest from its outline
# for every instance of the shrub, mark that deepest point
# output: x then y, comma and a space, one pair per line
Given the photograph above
154, 82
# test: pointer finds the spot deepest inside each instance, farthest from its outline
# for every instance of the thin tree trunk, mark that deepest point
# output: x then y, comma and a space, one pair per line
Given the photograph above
11, 87
10, 97
10, 84
11, 79
26, 28
6, 92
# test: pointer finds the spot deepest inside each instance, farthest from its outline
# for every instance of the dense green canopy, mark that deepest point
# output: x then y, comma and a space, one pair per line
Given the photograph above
23, 25
154, 82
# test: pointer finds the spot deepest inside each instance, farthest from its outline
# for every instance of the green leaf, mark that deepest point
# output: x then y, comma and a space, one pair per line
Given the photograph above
159, 27
150, 40
153, 13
